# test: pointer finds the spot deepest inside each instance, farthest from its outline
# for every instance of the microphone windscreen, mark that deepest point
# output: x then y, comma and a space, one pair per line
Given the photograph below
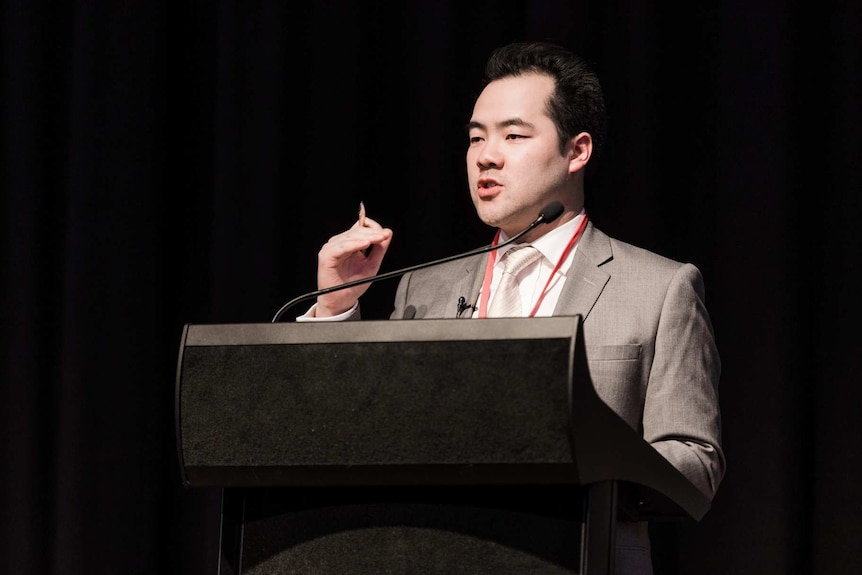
551, 212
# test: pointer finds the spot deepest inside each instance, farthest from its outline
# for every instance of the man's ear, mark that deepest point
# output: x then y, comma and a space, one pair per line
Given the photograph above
580, 149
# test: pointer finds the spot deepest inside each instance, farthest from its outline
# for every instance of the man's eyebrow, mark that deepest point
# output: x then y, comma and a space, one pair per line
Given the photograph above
504, 124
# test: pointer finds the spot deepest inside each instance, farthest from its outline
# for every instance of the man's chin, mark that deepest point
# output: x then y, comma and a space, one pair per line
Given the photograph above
489, 219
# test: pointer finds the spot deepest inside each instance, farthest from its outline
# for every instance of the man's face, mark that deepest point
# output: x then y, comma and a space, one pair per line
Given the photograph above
514, 165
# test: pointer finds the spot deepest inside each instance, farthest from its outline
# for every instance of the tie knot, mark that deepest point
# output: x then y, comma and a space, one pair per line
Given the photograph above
519, 257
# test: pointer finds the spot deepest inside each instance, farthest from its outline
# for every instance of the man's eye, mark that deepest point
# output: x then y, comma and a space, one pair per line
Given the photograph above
514, 136
475, 139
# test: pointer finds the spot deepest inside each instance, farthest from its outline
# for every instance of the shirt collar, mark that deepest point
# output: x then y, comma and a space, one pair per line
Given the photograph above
552, 244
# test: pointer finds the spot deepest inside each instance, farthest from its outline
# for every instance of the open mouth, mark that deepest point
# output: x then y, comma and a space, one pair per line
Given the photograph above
487, 188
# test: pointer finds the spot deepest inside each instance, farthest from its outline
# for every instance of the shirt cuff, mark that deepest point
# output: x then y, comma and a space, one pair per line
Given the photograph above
310, 317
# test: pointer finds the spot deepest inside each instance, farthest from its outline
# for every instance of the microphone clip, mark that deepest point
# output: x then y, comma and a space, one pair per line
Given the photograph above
464, 306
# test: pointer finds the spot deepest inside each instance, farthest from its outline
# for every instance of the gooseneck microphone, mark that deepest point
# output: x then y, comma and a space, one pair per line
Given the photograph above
548, 214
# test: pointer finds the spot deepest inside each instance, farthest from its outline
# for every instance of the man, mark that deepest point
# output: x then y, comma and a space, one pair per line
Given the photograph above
536, 125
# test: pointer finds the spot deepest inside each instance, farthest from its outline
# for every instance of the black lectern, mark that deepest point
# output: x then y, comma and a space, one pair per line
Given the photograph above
442, 446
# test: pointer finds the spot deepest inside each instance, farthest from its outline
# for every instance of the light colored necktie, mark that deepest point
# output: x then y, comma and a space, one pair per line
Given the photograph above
507, 299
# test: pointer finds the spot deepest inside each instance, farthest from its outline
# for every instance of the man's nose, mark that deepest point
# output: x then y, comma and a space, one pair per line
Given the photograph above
490, 155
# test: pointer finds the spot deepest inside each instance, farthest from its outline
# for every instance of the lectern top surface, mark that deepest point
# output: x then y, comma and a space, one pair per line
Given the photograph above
382, 331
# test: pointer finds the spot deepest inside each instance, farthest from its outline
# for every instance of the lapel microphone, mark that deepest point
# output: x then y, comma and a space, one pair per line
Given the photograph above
549, 213
464, 306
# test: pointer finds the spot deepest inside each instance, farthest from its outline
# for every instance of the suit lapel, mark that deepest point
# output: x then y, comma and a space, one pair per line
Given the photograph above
585, 280
469, 284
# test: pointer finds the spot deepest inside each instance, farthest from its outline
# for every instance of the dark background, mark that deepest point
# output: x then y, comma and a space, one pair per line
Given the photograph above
181, 162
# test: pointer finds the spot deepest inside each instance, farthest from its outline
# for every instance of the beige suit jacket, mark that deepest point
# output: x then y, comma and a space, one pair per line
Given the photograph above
649, 344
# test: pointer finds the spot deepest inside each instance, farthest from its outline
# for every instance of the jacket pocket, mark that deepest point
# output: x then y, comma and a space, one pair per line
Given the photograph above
613, 352
615, 371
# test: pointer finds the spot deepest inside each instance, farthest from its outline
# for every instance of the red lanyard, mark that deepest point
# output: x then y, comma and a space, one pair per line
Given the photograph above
489, 271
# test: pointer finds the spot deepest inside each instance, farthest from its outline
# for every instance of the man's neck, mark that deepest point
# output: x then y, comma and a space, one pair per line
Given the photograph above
542, 229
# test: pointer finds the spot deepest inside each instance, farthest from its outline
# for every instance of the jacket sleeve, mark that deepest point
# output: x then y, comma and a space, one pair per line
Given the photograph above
681, 411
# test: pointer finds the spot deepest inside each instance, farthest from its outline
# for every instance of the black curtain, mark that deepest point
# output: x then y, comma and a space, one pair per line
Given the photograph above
181, 162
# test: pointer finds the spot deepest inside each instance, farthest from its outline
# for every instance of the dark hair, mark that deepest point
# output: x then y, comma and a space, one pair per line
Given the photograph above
576, 105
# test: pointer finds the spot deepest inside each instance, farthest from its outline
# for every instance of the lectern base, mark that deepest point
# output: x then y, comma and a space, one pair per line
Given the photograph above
283, 530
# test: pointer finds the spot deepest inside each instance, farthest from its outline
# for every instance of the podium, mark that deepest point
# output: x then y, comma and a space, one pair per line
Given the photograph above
404, 446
